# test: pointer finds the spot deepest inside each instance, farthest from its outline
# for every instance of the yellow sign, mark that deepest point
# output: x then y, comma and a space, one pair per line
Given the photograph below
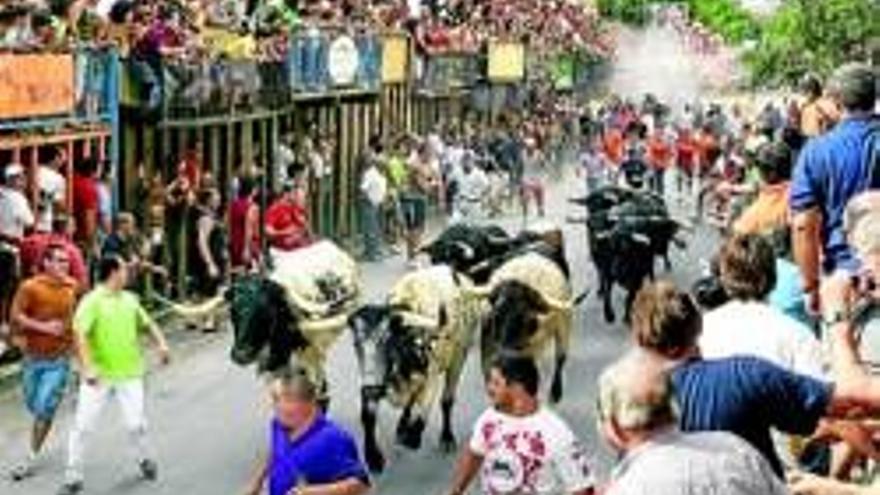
395, 58
506, 62
27, 90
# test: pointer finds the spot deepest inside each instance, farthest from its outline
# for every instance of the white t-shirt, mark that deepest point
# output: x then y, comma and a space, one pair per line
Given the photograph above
760, 330
374, 185
104, 7
15, 213
53, 187
473, 186
533, 455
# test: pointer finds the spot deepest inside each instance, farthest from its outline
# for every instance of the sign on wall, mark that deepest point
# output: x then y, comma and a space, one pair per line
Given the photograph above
342, 61
506, 62
28, 90
395, 57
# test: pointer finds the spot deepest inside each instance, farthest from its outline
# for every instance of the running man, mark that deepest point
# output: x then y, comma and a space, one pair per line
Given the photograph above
41, 321
106, 328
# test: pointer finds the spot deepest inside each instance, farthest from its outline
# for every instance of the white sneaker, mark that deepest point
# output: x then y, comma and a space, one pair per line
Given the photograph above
24, 470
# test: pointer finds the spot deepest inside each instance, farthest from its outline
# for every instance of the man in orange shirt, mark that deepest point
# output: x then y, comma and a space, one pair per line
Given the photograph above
659, 154
769, 211
41, 315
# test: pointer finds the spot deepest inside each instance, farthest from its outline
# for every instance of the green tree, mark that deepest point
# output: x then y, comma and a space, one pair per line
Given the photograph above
813, 36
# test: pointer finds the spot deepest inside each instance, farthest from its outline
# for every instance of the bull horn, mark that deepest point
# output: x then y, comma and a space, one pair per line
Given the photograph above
191, 311
683, 225
467, 251
418, 320
324, 324
556, 304
479, 266
305, 305
478, 292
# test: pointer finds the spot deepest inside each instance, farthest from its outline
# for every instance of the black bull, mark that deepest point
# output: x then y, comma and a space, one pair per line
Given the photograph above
512, 323
626, 231
477, 251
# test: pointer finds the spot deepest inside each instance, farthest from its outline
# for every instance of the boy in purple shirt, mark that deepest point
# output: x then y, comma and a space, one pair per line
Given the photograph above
309, 454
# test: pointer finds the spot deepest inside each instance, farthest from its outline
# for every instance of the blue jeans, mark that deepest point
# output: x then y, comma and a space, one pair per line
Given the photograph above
151, 81
371, 228
43, 381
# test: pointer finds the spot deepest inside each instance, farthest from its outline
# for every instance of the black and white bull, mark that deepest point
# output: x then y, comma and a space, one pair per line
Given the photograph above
294, 314
530, 309
411, 349
626, 231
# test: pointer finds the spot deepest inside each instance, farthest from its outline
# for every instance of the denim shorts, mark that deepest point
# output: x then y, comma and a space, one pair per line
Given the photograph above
414, 211
44, 381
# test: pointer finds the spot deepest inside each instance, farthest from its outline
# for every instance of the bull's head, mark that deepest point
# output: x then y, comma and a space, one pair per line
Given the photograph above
393, 345
515, 315
264, 324
457, 254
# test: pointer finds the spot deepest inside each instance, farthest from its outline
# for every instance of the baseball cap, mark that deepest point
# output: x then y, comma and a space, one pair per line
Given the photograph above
13, 170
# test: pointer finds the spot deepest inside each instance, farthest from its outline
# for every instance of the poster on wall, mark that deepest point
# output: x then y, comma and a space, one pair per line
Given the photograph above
395, 55
506, 62
342, 61
26, 91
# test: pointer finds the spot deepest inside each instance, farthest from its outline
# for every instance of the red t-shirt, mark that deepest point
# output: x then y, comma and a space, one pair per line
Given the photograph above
31, 254
659, 152
283, 215
85, 203
686, 149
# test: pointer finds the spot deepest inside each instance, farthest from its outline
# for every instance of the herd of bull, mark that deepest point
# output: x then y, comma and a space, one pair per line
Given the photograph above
514, 292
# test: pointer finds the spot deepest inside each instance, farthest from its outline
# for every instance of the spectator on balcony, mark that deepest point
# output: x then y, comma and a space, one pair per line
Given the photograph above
17, 31
155, 39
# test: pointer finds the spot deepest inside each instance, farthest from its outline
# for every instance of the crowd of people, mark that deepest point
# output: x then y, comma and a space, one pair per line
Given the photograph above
447, 26
232, 51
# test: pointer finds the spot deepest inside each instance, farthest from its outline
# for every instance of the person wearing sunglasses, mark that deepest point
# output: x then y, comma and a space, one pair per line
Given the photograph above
41, 316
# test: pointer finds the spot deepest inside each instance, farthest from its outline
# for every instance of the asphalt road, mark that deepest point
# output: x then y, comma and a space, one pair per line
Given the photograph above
209, 418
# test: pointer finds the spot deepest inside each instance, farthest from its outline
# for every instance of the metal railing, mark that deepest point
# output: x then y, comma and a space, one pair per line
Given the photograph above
217, 85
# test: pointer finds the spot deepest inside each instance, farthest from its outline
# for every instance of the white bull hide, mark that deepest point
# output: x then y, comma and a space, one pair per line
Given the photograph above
298, 272
424, 293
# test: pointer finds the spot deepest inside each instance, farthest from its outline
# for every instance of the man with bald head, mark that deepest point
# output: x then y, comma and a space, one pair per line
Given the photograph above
638, 417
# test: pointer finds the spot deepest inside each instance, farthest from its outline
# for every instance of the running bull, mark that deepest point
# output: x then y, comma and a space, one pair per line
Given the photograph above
530, 308
477, 251
626, 231
411, 349
297, 312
